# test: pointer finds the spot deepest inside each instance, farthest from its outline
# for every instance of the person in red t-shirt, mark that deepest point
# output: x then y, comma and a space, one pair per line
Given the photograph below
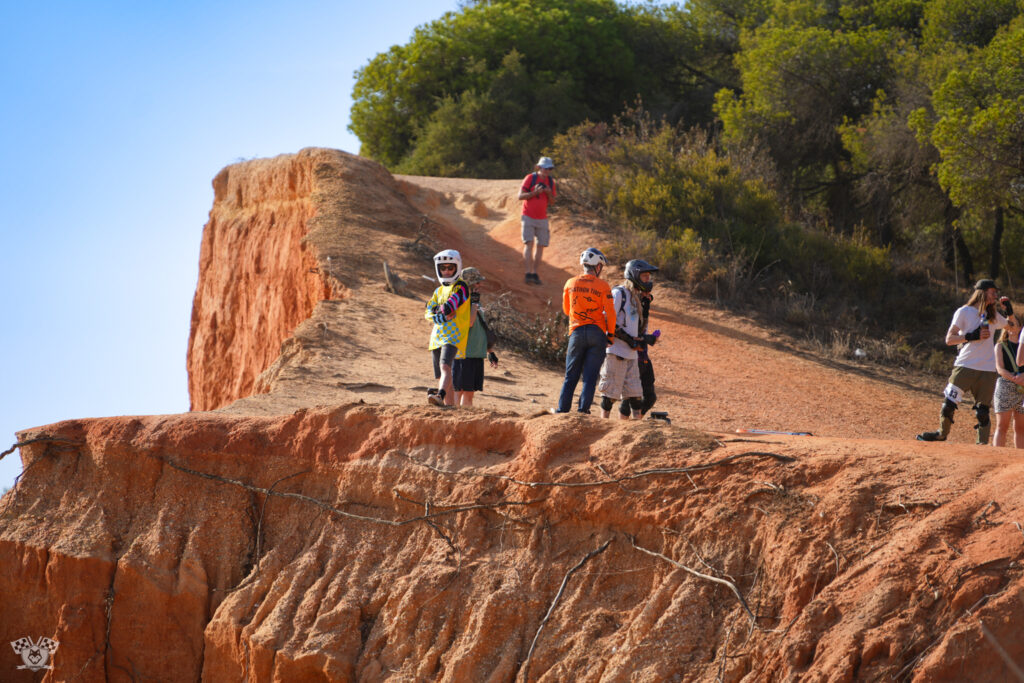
537, 191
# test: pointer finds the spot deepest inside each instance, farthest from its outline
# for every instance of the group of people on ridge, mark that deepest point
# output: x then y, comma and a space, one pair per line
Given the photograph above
608, 338
987, 366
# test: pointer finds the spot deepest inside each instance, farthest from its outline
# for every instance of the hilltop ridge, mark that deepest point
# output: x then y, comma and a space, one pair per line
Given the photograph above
312, 519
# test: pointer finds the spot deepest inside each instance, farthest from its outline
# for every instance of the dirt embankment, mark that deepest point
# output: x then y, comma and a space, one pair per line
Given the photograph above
387, 549
375, 538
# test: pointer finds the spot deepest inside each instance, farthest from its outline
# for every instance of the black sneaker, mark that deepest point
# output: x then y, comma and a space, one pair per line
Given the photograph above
931, 436
536, 279
528, 278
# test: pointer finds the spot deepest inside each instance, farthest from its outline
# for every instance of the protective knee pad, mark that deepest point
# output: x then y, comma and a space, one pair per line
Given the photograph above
606, 403
981, 410
624, 408
948, 408
636, 403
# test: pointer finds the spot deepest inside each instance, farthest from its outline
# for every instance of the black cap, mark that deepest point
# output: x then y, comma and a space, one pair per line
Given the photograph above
985, 284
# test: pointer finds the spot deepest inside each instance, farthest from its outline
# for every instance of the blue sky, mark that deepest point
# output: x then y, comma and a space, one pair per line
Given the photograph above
114, 119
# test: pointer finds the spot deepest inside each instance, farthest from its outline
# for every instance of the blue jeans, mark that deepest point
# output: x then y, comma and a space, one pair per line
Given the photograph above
587, 346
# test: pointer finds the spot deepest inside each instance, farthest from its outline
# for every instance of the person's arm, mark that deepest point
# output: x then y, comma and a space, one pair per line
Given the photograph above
1020, 354
566, 299
431, 307
459, 296
609, 315
1001, 368
525, 193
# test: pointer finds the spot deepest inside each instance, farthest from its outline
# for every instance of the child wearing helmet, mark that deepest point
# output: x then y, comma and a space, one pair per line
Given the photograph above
640, 272
468, 372
620, 373
449, 310
587, 300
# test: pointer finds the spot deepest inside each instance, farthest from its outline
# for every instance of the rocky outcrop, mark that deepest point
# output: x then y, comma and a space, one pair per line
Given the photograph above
257, 278
373, 543
284, 234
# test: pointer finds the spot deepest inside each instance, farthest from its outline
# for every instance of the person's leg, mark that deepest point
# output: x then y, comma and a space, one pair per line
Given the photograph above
527, 233
574, 361
1002, 424
632, 391
606, 384
597, 343
467, 398
647, 382
983, 388
1018, 428
538, 254
952, 394
448, 352
543, 234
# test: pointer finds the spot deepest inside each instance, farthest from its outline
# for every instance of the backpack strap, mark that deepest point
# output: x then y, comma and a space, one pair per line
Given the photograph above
1013, 361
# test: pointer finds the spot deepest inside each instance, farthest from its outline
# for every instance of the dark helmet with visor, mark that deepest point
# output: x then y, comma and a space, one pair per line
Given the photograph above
635, 268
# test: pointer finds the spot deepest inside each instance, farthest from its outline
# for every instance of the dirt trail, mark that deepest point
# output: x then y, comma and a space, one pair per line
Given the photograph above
715, 371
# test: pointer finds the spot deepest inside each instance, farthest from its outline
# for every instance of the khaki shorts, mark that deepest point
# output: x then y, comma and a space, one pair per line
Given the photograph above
981, 384
536, 227
620, 378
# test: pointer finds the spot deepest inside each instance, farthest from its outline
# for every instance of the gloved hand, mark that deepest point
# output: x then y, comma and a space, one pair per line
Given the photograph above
474, 298
1007, 306
973, 335
611, 339
440, 318
449, 311
650, 338
492, 358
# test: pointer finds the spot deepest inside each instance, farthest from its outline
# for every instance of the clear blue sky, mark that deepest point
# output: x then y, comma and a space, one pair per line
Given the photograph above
114, 119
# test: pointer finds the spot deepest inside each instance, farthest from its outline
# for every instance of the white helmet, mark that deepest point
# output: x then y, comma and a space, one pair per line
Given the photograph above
593, 257
447, 256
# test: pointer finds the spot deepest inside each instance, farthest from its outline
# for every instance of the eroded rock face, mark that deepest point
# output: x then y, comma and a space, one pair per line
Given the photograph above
284, 234
257, 280
386, 543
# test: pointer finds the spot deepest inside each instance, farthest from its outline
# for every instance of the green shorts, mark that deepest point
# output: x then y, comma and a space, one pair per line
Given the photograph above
981, 384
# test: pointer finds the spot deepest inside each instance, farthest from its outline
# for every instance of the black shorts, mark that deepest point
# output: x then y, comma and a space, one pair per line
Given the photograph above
443, 355
468, 374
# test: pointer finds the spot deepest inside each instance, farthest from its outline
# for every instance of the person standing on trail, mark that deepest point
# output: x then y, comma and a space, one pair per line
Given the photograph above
537, 191
587, 300
449, 309
640, 273
975, 367
620, 373
1008, 400
468, 372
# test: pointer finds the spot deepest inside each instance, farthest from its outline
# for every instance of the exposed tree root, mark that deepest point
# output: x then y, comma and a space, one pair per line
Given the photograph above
565, 580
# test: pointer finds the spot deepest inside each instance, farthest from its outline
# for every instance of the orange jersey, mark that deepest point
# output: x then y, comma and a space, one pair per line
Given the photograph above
587, 300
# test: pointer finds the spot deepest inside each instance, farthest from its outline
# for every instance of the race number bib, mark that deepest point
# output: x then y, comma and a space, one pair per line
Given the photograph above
953, 393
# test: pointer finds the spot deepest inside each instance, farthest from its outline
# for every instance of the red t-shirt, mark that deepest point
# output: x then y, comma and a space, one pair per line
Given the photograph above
537, 207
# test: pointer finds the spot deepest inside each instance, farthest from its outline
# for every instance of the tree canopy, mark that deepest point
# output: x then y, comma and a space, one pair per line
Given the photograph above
899, 120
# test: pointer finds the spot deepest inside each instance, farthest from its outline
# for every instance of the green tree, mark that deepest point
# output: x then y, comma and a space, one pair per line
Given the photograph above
570, 61
800, 84
979, 126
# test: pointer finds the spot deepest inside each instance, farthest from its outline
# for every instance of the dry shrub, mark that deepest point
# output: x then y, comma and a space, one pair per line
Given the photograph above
542, 337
